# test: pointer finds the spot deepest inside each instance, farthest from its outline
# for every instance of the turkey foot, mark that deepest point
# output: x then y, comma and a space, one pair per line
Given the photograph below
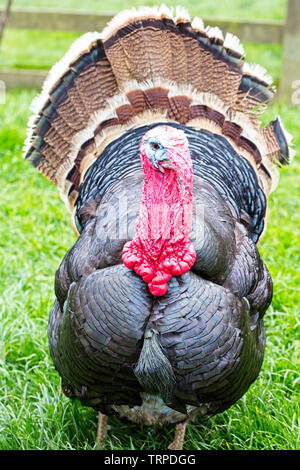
179, 437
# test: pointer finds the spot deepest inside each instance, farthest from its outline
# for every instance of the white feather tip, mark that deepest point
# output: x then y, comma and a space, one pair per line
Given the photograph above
213, 32
198, 25
232, 42
257, 71
182, 15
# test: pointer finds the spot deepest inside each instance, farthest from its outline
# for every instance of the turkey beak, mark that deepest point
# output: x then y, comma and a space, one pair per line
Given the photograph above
165, 164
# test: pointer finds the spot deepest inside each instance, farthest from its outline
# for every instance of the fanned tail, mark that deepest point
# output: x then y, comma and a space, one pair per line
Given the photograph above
151, 65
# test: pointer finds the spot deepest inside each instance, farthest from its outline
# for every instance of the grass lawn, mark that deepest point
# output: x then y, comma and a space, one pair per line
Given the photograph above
35, 233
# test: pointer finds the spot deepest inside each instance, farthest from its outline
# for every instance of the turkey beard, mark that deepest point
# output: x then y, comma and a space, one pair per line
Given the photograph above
161, 247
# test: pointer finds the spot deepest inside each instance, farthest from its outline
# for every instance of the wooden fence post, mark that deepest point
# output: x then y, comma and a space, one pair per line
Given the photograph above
289, 89
4, 17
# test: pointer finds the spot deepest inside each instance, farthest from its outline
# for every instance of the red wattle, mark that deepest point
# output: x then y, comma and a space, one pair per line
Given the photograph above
158, 289
174, 260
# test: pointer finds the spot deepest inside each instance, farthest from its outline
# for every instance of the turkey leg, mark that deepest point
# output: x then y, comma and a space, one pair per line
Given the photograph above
102, 429
179, 437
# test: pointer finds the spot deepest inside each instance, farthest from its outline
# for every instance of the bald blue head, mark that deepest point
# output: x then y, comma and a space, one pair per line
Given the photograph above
157, 154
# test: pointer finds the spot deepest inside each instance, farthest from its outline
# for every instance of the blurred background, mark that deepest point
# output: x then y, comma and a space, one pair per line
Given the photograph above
35, 233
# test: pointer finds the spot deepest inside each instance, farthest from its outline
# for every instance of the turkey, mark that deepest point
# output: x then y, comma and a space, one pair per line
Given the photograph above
151, 131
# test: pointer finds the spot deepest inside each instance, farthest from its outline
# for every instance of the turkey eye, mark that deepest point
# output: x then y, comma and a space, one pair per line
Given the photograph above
155, 145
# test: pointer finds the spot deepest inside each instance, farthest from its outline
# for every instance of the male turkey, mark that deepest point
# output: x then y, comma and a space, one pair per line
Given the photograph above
151, 132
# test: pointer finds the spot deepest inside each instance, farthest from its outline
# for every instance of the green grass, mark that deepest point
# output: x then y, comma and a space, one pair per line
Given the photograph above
19, 48
243, 9
36, 233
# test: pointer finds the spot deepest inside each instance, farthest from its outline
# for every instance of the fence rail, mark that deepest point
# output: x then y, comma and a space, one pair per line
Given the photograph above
22, 78
267, 32
52, 20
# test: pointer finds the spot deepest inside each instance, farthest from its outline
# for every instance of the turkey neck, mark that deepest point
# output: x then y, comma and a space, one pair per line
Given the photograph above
163, 211
161, 247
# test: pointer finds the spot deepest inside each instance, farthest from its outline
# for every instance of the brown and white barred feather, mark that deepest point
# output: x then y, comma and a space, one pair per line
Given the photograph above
147, 66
